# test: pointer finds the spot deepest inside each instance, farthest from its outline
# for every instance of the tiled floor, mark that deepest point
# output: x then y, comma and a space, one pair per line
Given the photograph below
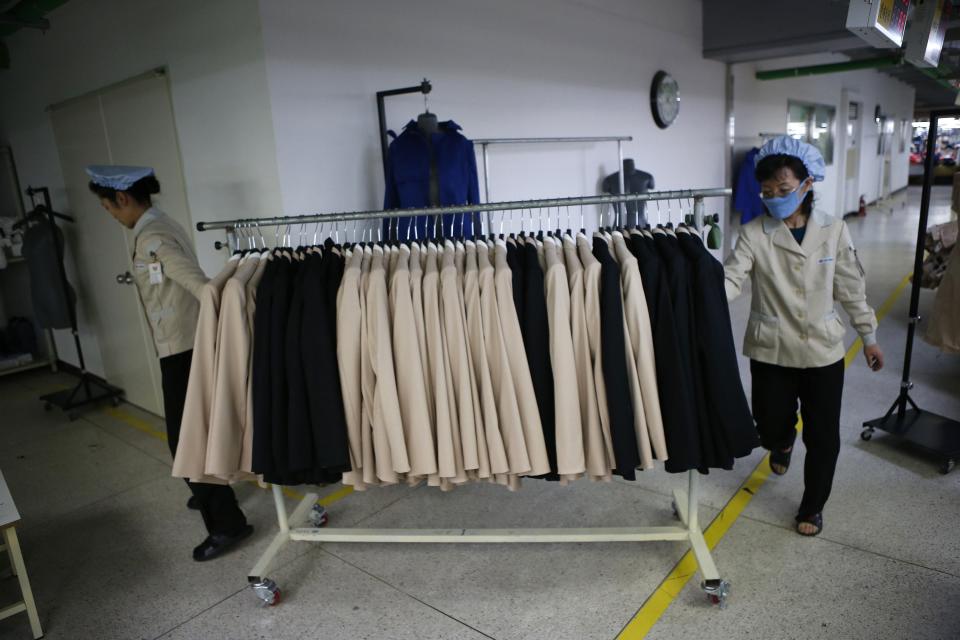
107, 536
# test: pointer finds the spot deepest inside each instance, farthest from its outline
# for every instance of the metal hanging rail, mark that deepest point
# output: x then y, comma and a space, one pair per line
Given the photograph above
697, 195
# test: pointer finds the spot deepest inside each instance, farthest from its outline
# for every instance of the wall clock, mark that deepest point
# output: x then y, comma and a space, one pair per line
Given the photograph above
664, 99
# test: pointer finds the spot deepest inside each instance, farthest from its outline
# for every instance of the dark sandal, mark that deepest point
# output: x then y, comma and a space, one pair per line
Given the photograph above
781, 458
816, 520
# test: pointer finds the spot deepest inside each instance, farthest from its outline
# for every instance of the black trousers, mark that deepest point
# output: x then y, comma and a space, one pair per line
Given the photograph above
218, 504
776, 391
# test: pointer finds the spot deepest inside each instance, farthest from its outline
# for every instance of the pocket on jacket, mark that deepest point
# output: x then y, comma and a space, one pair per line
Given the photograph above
834, 329
763, 330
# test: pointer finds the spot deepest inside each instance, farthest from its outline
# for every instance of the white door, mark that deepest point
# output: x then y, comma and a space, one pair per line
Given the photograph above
851, 181
129, 123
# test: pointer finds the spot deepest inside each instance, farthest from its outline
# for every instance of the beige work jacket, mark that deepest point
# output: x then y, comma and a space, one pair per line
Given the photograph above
172, 304
793, 319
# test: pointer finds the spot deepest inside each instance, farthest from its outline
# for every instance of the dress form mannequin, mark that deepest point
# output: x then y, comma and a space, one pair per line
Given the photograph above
427, 123
634, 181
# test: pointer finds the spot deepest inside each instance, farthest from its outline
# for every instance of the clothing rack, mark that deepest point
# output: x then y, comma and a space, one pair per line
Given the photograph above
89, 388
295, 526
936, 435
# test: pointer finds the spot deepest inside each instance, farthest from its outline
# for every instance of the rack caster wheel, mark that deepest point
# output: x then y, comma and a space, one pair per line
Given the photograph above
267, 590
717, 591
866, 434
318, 516
115, 401
676, 513
47, 407
947, 466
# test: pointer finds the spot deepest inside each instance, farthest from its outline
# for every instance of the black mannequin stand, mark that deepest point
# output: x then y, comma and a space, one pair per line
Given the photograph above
89, 389
933, 434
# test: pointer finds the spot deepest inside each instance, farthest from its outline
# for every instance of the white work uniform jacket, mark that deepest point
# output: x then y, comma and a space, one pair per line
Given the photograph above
793, 320
172, 304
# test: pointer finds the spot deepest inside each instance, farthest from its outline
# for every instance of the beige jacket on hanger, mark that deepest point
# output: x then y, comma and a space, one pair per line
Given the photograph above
641, 340
225, 440
417, 255
566, 397
191, 458
591, 303
519, 368
349, 329
943, 331
372, 441
387, 423
633, 377
511, 425
593, 446
483, 453
449, 453
793, 318
461, 374
496, 453
418, 431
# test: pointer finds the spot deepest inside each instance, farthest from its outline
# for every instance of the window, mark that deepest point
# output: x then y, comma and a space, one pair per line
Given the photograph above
812, 123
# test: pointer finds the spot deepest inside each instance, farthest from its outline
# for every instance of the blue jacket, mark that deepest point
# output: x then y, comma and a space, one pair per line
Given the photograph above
408, 177
746, 193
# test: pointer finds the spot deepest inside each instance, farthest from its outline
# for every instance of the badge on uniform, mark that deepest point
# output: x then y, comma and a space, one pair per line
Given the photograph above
826, 260
156, 273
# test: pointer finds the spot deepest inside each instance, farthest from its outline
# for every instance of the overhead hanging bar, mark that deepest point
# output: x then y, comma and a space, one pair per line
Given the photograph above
697, 195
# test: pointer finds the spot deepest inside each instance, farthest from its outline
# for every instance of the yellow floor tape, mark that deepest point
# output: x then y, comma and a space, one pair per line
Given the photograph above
673, 584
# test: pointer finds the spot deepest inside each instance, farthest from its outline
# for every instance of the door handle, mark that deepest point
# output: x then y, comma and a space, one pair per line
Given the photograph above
125, 278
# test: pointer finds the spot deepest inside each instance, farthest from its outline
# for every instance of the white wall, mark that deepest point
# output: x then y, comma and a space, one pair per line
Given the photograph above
214, 55
499, 69
761, 106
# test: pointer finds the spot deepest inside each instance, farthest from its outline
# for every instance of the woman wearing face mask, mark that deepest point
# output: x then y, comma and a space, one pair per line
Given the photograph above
801, 263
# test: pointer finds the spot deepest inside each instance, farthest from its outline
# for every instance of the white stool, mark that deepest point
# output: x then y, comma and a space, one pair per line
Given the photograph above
9, 517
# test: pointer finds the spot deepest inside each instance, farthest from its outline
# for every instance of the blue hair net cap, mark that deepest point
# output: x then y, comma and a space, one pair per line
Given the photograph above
808, 154
117, 176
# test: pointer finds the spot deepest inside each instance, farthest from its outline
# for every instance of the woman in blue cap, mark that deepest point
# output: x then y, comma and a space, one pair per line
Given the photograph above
800, 263
169, 280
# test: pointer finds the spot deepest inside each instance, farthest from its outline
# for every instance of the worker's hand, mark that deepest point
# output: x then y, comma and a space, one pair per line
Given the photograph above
874, 357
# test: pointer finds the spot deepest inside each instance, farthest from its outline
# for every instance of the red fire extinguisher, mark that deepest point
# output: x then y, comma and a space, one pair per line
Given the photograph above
862, 211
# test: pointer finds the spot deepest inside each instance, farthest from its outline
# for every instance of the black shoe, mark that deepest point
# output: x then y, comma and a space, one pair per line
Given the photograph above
217, 544
193, 503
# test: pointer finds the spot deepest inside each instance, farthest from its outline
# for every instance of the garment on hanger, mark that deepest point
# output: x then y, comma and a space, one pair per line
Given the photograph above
190, 459
943, 330
746, 192
536, 343
416, 162
615, 358
51, 303
676, 402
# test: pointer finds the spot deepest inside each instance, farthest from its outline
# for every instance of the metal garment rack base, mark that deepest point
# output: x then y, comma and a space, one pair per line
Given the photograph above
685, 505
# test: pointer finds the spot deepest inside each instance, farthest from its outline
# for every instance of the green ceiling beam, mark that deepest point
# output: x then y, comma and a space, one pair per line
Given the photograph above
881, 62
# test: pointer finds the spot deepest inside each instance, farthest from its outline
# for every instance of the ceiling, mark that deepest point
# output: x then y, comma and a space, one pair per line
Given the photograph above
753, 30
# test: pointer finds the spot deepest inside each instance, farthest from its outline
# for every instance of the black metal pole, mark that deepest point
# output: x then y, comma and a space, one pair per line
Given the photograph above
918, 262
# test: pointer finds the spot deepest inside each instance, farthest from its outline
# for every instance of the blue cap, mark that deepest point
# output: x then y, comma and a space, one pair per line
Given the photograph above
808, 154
117, 176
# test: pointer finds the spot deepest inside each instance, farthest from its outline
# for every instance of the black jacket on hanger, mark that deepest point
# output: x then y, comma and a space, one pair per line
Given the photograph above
727, 403
536, 342
262, 460
319, 362
676, 401
613, 349
679, 281
299, 434
515, 262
